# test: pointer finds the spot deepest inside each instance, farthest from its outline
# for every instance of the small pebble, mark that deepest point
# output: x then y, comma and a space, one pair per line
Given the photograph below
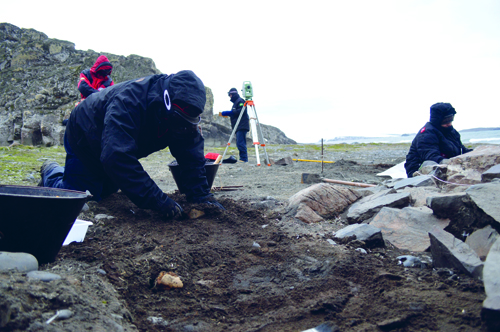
43, 276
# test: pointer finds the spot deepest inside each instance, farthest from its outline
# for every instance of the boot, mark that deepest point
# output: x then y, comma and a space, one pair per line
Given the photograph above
46, 166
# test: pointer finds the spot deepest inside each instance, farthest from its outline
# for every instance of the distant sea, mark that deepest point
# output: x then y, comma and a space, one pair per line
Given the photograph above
477, 135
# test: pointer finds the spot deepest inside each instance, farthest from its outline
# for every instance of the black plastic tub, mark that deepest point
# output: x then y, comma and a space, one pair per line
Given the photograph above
210, 169
36, 220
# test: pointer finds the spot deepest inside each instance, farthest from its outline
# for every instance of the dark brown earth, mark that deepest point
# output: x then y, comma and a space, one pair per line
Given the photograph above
243, 269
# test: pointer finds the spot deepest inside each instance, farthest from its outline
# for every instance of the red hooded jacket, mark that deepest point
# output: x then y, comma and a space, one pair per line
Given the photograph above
96, 78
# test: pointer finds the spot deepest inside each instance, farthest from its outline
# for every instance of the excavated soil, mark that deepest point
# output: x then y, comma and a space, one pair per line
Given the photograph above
248, 268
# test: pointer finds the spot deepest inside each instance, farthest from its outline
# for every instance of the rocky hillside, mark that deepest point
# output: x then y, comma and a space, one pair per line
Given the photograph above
38, 88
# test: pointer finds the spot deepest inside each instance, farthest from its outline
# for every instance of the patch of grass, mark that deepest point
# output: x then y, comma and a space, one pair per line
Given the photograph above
20, 165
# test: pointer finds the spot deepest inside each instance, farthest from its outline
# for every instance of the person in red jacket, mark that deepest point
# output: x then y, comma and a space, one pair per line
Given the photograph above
96, 78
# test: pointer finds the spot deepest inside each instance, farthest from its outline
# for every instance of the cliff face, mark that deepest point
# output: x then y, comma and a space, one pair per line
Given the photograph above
38, 88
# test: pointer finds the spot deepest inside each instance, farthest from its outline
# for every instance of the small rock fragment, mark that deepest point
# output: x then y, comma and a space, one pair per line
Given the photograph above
194, 214
169, 280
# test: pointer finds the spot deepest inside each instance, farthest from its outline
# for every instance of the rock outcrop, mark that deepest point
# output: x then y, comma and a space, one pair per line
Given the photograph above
38, 88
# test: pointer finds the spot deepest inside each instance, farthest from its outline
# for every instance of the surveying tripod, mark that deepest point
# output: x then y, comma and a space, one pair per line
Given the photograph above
258, 138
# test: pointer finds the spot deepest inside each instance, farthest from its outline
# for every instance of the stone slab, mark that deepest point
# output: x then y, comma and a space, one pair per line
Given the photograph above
481, 241
491, 173
417, 181
448, 251
491, 280
487, 197
371, 235
371, 205
445, 204
407, 228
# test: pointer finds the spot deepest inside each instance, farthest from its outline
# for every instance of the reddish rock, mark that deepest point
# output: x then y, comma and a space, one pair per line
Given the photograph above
321, 200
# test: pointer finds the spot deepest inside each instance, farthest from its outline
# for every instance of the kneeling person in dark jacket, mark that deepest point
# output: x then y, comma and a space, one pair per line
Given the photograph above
437, 141
108, 133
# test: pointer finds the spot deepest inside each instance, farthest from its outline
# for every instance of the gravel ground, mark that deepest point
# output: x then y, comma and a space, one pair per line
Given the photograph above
355, 164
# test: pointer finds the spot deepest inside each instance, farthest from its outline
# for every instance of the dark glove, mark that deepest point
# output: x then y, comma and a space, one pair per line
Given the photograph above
210, 200
172, 209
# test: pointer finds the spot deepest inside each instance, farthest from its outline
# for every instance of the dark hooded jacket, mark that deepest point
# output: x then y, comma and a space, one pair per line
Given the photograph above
90, 81
111, 130
434, 142
234, 113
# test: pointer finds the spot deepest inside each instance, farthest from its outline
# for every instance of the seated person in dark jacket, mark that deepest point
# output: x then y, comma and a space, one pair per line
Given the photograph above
437, 141
108, 133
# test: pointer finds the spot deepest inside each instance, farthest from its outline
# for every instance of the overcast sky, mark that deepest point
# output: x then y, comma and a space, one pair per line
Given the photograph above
319, 69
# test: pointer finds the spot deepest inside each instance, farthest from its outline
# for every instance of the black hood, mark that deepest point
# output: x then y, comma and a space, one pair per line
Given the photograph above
439, 111
185, 86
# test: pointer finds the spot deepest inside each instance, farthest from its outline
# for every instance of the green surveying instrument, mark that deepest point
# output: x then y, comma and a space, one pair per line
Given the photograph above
258, 138
247, 90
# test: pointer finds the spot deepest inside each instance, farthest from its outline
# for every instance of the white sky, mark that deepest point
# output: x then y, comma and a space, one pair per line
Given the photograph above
319, 69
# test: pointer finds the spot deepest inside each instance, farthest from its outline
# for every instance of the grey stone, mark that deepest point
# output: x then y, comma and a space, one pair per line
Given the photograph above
43, 276
446, 204
418, 195
491, 173
264, 205
17, 261
407, 228
371, 205
491, 271
284, 161
448, 251
486, 197
369, 234
418, 181
491, 305
481, 241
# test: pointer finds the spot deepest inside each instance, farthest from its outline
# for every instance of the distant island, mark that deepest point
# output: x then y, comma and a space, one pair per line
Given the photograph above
478, 129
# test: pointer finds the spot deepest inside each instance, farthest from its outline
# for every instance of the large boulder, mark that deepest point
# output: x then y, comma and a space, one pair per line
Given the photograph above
468, 168
320, 201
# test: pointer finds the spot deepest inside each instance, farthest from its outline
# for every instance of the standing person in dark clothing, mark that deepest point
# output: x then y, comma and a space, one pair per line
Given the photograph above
437, 141
243, 126
108, 133
96, 78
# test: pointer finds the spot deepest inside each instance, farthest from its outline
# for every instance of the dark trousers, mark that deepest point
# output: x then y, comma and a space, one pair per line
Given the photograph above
75, 176
241, 144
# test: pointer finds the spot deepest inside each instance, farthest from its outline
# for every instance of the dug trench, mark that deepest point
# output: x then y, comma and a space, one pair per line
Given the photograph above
244, 269
241, 273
